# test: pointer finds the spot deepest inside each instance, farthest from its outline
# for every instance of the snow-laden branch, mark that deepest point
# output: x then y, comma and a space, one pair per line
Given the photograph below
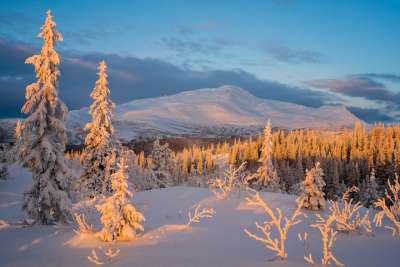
84, 227
93, 258
109, 254
282, 225
199, 214
347, 214
222, 187
328, 234
390, 208
307, 254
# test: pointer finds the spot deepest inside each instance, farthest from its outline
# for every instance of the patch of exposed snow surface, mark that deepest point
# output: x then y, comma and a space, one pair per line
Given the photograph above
217, 241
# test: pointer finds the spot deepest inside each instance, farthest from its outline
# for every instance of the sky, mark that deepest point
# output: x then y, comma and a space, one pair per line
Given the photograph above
310, 52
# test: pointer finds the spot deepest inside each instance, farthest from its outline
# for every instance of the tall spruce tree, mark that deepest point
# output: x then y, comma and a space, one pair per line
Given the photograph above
41, 137
267, 175
100, 141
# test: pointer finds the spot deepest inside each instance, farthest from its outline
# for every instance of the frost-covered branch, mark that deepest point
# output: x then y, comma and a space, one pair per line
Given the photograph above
392, 209
282, 225
328, 234
307, 254
110, 253
223, 186
347, 214
199, 214
84, 227
94, 258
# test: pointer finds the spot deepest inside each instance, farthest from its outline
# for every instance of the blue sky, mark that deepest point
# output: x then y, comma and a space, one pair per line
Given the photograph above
342, 51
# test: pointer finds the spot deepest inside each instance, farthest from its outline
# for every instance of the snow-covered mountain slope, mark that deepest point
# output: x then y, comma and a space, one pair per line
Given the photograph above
217, 241
223, 111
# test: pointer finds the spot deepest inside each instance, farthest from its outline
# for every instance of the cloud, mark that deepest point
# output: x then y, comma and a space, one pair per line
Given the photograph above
286, 54
371, 115
357, 86
381, 76
131, 78
182, 47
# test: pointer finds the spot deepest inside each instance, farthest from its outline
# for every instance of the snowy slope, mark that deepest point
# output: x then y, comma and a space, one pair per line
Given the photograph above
218, 241
227, 110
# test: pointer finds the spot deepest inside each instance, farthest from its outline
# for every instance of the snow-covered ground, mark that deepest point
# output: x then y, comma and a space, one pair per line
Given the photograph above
217, 241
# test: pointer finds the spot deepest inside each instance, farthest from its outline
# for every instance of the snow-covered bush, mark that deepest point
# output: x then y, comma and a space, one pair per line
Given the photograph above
347, 214
267, 176
100, 141
276, 220
328, 235
223, 186
390, 207
41, 137
312, 195
119, 217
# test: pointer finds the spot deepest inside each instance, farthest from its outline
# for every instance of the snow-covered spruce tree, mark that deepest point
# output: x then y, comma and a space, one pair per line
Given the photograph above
161, 158
369, 190
268, 178
312, 196
100, 140
41, 137
119, 217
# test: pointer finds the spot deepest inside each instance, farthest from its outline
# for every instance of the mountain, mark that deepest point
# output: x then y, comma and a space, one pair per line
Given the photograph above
211, 112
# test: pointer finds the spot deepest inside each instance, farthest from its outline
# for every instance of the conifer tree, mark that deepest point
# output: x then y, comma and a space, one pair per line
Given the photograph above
267, 175
161, 157
100, 141
119, 217
41, 137
312, 196
369, 190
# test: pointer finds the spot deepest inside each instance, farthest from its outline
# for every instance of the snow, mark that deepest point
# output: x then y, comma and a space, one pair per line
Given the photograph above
213, 111
217, 241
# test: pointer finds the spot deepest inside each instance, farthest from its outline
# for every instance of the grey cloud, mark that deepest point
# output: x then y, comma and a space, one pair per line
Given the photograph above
131, 78
381, 76
371, 115
181, 46
286, 54
357, 87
